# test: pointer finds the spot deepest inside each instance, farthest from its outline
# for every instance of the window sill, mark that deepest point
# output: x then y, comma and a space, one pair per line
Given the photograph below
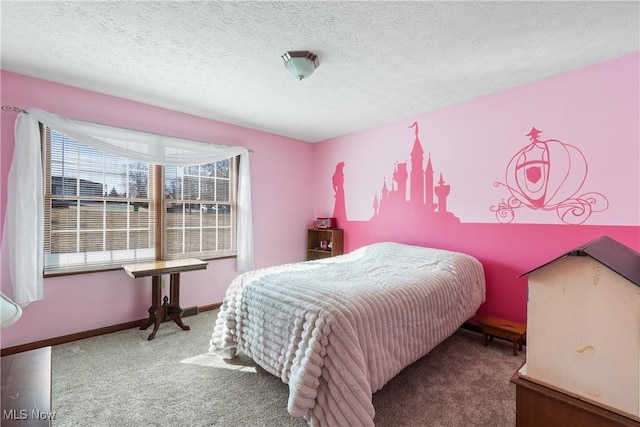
71, 272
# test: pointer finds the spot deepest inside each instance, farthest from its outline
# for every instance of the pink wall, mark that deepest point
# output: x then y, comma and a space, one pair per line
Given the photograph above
590, 123
595, 110
89, 301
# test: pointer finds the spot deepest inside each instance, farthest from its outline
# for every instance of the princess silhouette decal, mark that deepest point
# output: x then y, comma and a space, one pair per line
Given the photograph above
547, 175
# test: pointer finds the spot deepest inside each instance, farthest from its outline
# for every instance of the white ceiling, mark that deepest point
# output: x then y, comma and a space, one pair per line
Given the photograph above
379, 61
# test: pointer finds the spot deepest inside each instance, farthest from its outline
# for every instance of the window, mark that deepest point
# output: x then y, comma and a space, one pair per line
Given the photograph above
103, 210
199, 213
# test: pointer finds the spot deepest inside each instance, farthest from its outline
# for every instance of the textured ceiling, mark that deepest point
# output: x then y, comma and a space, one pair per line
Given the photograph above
379, 61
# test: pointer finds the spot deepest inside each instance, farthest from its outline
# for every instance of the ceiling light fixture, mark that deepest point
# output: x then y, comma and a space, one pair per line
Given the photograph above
300, 63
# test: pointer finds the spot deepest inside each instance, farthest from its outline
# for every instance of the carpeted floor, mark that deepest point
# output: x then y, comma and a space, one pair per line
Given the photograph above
121, 379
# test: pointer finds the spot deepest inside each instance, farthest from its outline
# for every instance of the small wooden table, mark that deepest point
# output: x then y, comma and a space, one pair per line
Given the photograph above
171, 306
512, 331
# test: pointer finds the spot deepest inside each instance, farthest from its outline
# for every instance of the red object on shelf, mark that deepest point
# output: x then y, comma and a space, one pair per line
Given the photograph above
325, 223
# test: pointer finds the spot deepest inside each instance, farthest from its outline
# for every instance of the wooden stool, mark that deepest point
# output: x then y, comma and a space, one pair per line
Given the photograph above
512, 331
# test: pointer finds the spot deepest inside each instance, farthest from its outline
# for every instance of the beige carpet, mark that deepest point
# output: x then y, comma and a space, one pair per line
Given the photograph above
121, 379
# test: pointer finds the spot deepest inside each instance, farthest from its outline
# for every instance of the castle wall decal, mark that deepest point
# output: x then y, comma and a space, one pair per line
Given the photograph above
545, 175
426, 201
548, 175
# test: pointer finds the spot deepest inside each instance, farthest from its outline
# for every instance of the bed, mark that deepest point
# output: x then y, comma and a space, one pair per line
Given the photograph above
336, 330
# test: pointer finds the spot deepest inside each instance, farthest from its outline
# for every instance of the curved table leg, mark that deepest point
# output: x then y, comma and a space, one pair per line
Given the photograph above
158, 319
175, 313
157, 309
174, 310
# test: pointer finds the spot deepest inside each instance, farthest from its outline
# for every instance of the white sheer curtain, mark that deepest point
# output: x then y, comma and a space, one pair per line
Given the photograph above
25, 211
24, 221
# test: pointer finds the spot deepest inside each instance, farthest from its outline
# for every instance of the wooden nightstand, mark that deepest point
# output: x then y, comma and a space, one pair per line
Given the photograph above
317, 237
495, 327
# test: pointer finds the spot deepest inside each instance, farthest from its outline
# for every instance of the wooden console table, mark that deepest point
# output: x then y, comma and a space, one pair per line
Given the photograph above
26, 388
537, 405
171, 306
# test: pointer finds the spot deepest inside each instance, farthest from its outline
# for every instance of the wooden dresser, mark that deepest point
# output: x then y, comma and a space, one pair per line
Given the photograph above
538, 406
26, 388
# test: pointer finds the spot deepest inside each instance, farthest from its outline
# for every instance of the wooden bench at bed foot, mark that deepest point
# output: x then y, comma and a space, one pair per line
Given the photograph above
495, 327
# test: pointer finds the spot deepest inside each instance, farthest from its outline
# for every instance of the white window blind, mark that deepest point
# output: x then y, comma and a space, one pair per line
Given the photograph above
99, 211
200, 206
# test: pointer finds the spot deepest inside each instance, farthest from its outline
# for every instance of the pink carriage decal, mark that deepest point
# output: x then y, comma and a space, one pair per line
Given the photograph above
547, 175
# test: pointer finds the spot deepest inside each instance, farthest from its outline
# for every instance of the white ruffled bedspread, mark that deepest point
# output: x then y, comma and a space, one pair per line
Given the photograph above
337, 330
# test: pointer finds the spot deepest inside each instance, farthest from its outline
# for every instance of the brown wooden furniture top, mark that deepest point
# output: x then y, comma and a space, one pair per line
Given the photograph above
155, 268
26, 388
538, 405
502, 324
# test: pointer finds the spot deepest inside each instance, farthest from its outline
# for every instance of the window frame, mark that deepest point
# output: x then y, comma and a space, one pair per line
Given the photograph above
233, 220
157, 203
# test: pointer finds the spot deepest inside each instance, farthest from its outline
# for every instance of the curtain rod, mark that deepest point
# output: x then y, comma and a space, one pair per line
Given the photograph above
11, 109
